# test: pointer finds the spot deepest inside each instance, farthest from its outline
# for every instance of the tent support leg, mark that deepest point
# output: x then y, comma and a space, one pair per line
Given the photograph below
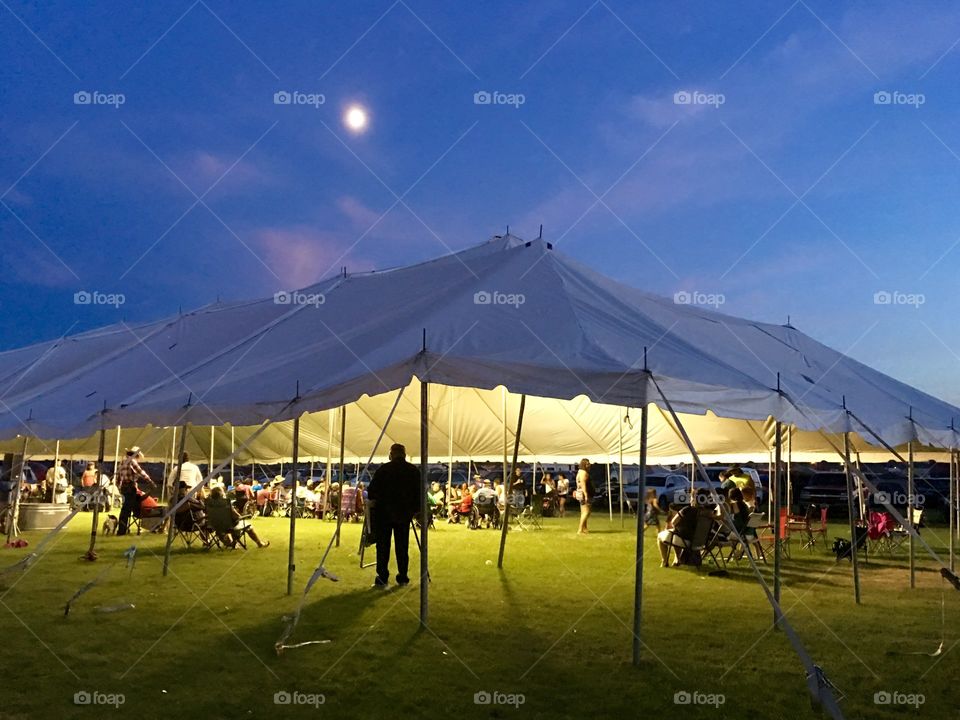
911, 503
343, 440
773, 481
92, 550
291, 554
424, 505
638, 581
853, 522
953, 503
174, 497
506, 486
620, 471
17, 474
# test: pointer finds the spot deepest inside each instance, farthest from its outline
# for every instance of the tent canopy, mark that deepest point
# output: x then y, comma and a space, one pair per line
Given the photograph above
505, 313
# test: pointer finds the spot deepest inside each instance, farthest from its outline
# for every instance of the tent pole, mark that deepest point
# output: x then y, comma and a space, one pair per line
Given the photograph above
770, 494
91, 551
175, 496
911, 502
853, 524
638, 581
211, 447
952, 504
291, 556
343, 440
331, 417
775, 487
450, 443
233, 450
609, 496
424, 504
506, 487
116, 454
620, 465
789, 468
56, 466
17, 474
506, 480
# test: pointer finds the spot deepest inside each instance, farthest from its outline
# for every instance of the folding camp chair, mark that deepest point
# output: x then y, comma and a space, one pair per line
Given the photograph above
693, 549
190, 526
900, 533
802, 525
820, 530
751, 538
536, 512
769, 538
227, 531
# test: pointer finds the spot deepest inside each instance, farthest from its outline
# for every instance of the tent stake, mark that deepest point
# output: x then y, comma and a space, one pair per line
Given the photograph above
424, 505
291, 557
641, 524
853, 524
506, 487
174, 497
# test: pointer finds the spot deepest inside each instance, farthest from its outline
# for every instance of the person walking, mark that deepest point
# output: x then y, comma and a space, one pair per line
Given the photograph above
585, 494
394, 498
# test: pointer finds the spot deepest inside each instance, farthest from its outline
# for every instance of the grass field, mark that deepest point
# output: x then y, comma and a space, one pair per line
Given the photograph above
554, 627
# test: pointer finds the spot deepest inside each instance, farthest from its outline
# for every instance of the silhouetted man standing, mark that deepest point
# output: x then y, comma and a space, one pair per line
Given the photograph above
394, 497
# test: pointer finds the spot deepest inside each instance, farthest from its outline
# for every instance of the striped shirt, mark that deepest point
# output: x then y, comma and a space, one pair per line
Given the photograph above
128, 472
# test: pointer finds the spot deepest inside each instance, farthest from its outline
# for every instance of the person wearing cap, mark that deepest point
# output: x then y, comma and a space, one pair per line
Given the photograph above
394, 498
128, 474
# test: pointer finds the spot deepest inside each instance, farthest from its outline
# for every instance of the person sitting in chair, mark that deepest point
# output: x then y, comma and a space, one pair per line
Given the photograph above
226, 522
464, 507
680, 529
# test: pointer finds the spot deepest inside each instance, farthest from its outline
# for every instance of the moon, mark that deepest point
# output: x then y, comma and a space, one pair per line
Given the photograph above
356, 119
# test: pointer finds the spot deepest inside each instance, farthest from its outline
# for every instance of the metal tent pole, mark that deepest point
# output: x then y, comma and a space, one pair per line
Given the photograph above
211, 447
424, 505
331, 418
343, 439
174, 498
291, 556
91, 551
17, 475
789, 468
503, 407
233, 446
609, 495
450, 439
56, 471
775, 487
853, 524
911, 503
638, 577
116, 454
620, 465
952, 504
506, 488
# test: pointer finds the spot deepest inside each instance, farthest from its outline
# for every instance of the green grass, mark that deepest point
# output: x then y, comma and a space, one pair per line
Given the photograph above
555, 625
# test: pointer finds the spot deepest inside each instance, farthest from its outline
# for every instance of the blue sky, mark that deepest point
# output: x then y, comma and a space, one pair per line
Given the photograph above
784, 186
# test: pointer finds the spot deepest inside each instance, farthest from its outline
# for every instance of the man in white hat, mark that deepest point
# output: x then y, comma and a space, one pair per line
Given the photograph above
127, 475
